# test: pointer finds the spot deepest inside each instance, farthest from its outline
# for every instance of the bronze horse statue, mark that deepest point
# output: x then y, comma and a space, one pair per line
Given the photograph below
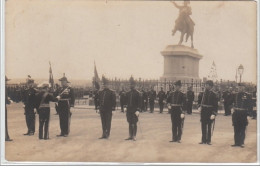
184, 23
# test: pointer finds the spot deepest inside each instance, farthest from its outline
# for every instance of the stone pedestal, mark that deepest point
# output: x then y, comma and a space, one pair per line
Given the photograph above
181, 63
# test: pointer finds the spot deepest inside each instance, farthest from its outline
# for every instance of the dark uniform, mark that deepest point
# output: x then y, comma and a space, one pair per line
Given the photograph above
227, 96
29, 100
177, 101
133, 104
122, 95
144, 101
106, 104
43, 109
152, 97
208, 102
254, 104
241, 102
161, 95
7, 101
190, 99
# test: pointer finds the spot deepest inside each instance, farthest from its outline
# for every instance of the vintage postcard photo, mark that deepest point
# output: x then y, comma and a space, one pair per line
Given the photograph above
129, 82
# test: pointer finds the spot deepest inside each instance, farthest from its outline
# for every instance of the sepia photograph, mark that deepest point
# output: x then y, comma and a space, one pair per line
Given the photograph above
125, 82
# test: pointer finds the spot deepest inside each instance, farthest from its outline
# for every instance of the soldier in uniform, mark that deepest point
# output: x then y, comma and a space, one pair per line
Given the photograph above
227, 96
106, 104
241, 102
190, 99
66, 100
29, 100
177, 104
208, 107
254, 95
133, 105
144, 100
7, 101
161, 95
122, 95
152, 97
43, 108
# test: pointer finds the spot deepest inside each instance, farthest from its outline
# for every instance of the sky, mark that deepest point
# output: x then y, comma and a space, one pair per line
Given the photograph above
124, 38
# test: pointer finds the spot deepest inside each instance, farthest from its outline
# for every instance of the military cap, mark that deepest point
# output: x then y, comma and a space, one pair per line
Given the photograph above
64, 78
132, 81
104, 80
177, 83
6, 79
44, 84
209, 82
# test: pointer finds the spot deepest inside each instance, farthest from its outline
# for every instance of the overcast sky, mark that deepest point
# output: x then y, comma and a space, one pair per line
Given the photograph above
124, 38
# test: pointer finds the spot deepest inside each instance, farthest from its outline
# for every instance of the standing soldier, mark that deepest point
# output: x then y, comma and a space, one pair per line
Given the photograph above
152, 97
161, 95
190, 99
177, 104
7, 101
144, 100
133, 103
227, 96
241, 102
29, 100
208, 106
66, 100
122, 95
106, 104
43, 109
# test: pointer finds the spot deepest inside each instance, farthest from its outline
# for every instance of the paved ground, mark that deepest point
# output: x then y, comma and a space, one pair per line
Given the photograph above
152, 143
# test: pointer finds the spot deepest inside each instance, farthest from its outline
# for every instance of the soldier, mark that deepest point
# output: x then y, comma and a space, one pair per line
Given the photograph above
7, 101
177, 104
254, 95
190, 99
66, 100
161, 95
106, 104
152, 97
241, 101
43, 109
227, 96
144, 100
29, 106
208, 107
122, 95
133, 105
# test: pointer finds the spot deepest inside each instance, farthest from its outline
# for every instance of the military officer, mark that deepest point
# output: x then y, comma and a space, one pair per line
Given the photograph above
208, 107
227, 96
106, 104
122, 95
66, 100
152, 97
7, 101
177, 104
43, 108
133, 107
190, 99
29, 99
161, 96
241, 102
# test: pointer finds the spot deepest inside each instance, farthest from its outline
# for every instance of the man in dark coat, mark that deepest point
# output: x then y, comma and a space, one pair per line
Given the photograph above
161, 96
66, 101
190, 99
122, 95
7, 101
106, 104
227, 96
177, 104
133, 106
29, 100
144, 100
152, 97
208, 106
242, 102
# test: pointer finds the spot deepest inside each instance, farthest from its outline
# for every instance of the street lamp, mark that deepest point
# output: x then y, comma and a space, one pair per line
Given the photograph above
240, 71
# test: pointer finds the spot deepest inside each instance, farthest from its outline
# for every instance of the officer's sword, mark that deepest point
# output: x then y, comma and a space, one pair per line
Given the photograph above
212, 130
139, 123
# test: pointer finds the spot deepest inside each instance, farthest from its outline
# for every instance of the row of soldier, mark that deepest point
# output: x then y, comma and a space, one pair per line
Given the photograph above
106, 102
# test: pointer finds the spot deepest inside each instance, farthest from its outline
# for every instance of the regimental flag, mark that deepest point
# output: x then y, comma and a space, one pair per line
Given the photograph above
96, 79
213, 72
51, 81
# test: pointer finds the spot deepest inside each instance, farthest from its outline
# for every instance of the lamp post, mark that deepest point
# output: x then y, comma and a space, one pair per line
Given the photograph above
240, 71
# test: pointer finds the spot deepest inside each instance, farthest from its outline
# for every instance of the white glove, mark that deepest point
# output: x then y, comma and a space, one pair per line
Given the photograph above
58, 97
169, 106
11, 101
125, 109
137, 113
98, 111
182, 116
199, 109
212, 117
247, 117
